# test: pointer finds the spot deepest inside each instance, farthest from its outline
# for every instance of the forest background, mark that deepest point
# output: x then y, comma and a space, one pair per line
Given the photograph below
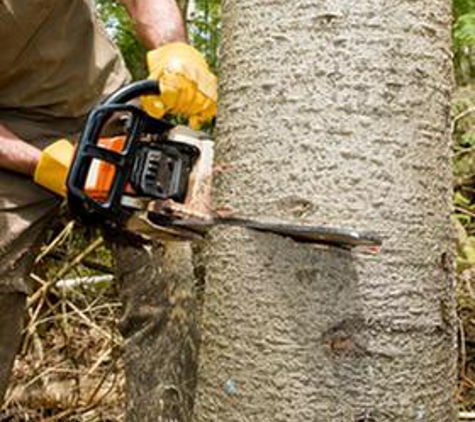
70, 366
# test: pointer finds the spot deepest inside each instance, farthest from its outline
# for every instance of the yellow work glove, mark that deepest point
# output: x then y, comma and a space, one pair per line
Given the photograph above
188, 88
53, 166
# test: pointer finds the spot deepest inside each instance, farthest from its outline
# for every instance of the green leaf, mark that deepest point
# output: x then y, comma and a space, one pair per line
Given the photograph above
460, 199
462, 7
120, 28
464, 219
467, 139
464, 31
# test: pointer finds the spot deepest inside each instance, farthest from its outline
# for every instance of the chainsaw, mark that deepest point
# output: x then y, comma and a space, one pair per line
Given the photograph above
152, 178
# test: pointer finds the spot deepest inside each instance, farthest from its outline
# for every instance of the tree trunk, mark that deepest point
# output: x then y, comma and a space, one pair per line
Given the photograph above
332, 112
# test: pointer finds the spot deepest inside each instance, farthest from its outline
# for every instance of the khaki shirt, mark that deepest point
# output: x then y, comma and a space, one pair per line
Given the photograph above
56, 62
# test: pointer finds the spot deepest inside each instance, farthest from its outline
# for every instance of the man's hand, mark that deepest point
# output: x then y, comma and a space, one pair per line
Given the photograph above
49, 168
187, 86
53, 166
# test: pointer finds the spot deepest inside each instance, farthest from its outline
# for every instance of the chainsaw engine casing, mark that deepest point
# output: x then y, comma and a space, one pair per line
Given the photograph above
161, 170
154, 169
152, 217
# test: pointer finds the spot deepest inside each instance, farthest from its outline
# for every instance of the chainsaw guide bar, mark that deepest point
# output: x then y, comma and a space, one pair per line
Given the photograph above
302, 233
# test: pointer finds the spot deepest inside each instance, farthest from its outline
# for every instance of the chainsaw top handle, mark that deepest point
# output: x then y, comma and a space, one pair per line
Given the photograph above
132, 91
89, 152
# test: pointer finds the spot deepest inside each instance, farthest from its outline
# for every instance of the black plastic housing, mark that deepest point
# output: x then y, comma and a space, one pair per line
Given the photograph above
139, 126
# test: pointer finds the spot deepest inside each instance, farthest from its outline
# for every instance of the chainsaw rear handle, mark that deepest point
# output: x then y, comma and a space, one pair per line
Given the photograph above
88, 149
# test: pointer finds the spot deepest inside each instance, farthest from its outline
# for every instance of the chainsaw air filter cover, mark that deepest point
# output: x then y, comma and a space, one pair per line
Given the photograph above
162, 170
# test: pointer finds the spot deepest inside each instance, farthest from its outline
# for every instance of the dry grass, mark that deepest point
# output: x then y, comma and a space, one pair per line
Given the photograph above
69, 367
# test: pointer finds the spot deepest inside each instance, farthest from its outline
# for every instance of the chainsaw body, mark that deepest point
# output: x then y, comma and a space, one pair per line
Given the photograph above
146, 176
130, 169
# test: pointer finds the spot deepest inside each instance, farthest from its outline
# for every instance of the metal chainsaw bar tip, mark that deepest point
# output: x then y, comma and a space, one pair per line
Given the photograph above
302, 233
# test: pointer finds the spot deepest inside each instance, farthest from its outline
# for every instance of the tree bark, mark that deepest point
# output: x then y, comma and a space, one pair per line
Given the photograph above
336, 113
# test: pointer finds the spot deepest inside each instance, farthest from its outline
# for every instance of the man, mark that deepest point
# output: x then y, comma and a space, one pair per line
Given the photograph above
57, 63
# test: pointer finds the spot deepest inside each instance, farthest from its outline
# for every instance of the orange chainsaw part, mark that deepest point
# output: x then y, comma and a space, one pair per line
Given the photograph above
101, 174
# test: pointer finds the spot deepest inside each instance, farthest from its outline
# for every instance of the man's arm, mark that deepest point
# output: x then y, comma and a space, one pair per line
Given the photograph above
17, 155
157, 22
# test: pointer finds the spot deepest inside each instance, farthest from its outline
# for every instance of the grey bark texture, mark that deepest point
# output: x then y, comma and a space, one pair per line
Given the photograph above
332, 112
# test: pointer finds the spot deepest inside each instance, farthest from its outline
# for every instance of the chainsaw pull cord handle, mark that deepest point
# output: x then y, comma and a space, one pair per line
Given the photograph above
133, 91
